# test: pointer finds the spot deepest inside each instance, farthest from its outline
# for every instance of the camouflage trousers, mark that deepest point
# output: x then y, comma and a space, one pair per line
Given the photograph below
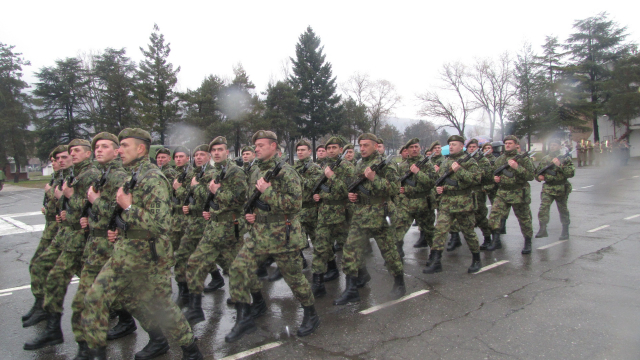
326, 234
175, 238
385, 237
482, 213
545, 207
218, 245
465, 222
146, 294
243, 280
68, 264
500, 210
50, 230
309, 228
429, 226
39, 269
188, 245
405, 219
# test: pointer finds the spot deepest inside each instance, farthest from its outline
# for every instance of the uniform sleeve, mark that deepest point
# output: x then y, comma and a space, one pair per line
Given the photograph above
339, 182
233, 189
150, 209
105, 204
525, 170
468, 175
285, 193
387, 182
79, 197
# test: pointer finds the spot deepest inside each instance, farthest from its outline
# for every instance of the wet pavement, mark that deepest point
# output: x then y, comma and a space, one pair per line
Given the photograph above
574, 300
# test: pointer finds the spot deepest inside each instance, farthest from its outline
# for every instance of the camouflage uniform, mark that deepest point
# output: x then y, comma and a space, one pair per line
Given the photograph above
416, 202
430, 219
490, 189
180, 221
309, 173
482, 212
555, 188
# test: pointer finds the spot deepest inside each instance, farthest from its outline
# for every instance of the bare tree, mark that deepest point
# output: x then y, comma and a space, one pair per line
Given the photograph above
454, 110
379, 96
358, 87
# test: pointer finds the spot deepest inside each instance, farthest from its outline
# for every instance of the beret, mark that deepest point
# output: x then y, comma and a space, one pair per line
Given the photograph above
78, 142
455, 138
248, 148
59, 149
165, 151
203, 147
473, 141
104, 136
220, 140
334, 140
368, 136
303, 142
380, 141
434, 144
411, 142
264, 134
511, 137
320, 147
348, 146
403, 148
135, 133
181, 149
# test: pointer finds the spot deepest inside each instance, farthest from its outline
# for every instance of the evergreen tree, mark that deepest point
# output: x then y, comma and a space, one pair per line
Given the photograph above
281, 111
624, 103
355, 120
201, 107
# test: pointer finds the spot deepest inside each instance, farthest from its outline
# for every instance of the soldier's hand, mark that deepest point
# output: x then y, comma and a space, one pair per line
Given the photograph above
92, 195
176, 184
124, 200
402, 190
353, 197
67, 191
369, 174
455, 166
439, 189
194, 182
251, 218
47, 187
213, 187
58, 219
84, 222
496, 179
541, 178
316, 197
112, 235
436, 168
414, 169
57, 193
63, 215
328, 172
185, 210
262, 185
513, 164
42, 210
556, 161
206, 215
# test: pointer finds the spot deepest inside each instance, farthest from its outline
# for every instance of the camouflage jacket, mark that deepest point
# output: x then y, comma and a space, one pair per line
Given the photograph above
309, 178
332, 208
199, 192
284, 197
437, 160
232, 193
85, 175
486, 172
490, 186
180, 195
50, 201
170, 173
419, 197
515, 190
370, 211
558, 184
459, 197
247, 167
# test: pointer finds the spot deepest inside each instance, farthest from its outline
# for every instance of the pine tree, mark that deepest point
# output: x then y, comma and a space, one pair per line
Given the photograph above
281, 111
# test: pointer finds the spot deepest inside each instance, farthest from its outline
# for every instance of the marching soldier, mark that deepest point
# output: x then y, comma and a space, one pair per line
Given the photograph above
486, 170
590, 151
427, 233
248, 157
556, 188
163, 160
349, 153
179, 190
321, 155
581, 148
490, 189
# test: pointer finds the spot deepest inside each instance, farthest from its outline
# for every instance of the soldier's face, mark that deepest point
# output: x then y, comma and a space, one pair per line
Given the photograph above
79, 154
201, 157
265, 149
105, 151
334, 150
380, 148
54, 164
437, 149
414, 150
180, 159
130, 150
349, 155
509, 145
162, 159
248, 156
368, 147
554, 147
219, 153
487, 148
455, 147
64, 160
405, 153
303, 152
471, 148
321, 153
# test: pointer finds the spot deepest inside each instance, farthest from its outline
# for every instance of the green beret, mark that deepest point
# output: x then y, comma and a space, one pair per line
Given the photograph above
380, 141
203, 147
135, 133
348, 146
303, 142
334, 140
473, 141
264, 134
104, 136
403, 148
248, 148
555, 141
368, 136
434, 144
455, 138
165, 151
220, 140
320, 147
411, 142
78, 142
59, 149
511, 137
180, 149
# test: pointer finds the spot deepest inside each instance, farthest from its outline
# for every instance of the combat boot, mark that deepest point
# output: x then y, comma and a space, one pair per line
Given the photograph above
503, 226
36, 305
310, 321
259, 306
485, 244
495, 241
277, 275
430, 259
398, 290
83, 351
183, 294
475, 264
542, 233
157, 345
262, 269
99, 353
436, 265
422, 241
217, 282
363, 277
350, 293
527, 246
332, 271
317, 287
191, 351
454, 242
304, 260
38, 315
126, 325
565, 232
244, 323
52, 334
194, 313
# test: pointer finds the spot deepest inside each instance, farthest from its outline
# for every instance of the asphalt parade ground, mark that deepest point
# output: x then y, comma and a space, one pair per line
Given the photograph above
574, 299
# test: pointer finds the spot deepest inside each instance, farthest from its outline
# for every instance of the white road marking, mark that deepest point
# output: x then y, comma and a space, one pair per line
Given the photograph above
16, 223
15, 230
15, 288
253, 351
6, 294
387, 304
11, 226
598, 228
489, 267
636, 176
632, 217
552, 244
586, 187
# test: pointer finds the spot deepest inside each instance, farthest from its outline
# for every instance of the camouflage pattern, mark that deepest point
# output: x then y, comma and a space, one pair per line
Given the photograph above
309, 173
513, 192
555, 188
369, 219
51, 226
415, 203
482, 212
219, 242
169, 171
131, 275
179, 221
490, 189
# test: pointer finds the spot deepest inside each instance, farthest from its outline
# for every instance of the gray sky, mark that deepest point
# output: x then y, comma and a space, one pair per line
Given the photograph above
404, 42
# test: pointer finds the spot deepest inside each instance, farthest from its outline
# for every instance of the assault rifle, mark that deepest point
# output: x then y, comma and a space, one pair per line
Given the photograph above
320, 185
116, 222
254, 200
97, 187
446, 176
551, 168
357, 185
406, 178
45, 200
189, 200
504, 169
65, 200
211, 199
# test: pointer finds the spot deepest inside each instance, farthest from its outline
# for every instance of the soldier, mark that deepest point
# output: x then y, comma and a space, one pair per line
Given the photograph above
374, 214
490, 188
380, 146
556, 188
349, 153
486, 170
428, 229
248, 157
275, 231
581, 148
163, 160
61, 162
138, 272
597, 152
590, 152
221, 240
179, 190
513, 192
456, 205
404, 153
333, 219
321, 155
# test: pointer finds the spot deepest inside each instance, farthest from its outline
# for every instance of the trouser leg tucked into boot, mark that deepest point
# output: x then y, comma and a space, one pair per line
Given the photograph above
527, 246
422, 241
486, 243
495, 241
475, 264
183, 294
565, 232
310, 321
37, 305
194, 314
363, 277
83, 351
126, 325
244, 323
52, 334
259, 306
436, 265
217, 282
542, 233
454, 242
399, 288
99, 353
157, 345
332, 271
38, 315
191, 351
350, 293
317, 287
430, 259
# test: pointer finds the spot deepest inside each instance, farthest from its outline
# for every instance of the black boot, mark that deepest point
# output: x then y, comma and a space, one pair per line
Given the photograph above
262, 269
363, 277
317, 287
113, 314
183, 294
259, 306
83, 351
503, 226
398, 289
157, 345
422, 241
542, 233
194, 313
332, 271
495, 241
486, 243
37, 315
36, 305
310, 321
277, 275
475, 264
350, 293
217, 282
435, 266
244, 323
304, 261
399, 246
191, 351
52, 334
565, 232
430, 259
99, 353
454, 242
126, 325
527, 246
230, 302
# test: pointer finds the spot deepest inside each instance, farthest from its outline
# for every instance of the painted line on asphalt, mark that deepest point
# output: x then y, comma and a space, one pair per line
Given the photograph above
494, 265
552, 244
598, 228
16, 223
636, 176
6, 294
632, 217
387, 304
74, 280
586, 187
253, 351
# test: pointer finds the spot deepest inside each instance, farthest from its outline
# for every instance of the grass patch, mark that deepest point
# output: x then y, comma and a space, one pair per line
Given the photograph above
33, 184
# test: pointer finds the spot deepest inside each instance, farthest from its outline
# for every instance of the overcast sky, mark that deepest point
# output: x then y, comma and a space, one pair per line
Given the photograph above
403, 42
